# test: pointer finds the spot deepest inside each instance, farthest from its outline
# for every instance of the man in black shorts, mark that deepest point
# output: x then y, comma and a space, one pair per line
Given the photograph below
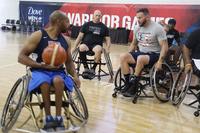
90, 38
150, 41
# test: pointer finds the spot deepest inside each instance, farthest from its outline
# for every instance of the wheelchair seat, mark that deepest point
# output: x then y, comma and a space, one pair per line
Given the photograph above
90, 62
74, 107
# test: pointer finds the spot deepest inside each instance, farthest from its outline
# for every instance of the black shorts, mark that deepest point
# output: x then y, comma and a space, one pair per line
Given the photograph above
153, 57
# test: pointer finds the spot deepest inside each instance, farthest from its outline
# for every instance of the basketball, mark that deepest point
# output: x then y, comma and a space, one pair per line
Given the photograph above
54, 55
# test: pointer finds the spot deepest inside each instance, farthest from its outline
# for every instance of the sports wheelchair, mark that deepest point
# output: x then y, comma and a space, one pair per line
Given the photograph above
160, 81
90, 62
182, 86
74, 107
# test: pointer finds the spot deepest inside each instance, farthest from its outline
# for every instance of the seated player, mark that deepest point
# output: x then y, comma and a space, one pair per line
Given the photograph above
43, 75
151, 40
90, 38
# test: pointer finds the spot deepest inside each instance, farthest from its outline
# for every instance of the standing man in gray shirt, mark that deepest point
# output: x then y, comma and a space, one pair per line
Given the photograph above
149, 46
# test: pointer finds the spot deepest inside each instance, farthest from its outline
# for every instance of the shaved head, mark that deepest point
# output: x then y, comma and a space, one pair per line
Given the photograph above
97, 16
57, 16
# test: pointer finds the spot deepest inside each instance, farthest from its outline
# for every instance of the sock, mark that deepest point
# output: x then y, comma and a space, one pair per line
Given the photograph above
127, 76
83, 59
59, 118
49, 118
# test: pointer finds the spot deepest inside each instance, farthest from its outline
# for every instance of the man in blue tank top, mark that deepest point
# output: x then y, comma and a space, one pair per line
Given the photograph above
43, 75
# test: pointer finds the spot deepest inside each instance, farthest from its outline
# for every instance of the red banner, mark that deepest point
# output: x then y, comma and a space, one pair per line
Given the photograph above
123, 15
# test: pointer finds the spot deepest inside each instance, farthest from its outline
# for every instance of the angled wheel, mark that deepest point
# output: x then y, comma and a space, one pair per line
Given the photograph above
75, 54
109, 63
14, 103
78, 107
162, 82
180, 87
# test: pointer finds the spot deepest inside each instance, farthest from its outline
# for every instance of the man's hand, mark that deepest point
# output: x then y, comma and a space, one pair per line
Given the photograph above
158, 65
188, 68
49, 67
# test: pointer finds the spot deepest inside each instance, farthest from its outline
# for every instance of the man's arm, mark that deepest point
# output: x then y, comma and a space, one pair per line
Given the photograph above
78, 39
133, 45
186, 55
164, 49
70, 67
108, 43
30, 46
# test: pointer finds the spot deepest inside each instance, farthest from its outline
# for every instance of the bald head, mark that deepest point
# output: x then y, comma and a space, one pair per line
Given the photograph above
97, 16
57, 16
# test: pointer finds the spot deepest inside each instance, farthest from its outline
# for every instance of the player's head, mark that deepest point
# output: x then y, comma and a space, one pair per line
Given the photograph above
142, 15
172, 23
60, 20
97, 16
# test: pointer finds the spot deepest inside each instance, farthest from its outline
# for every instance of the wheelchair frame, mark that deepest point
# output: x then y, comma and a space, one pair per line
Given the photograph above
72, 102
144, 81
101, 72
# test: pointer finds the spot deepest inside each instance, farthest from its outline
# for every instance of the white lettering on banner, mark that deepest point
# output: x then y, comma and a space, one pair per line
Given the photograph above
71, 17
85, 18
77, 20
106, 20
34, 15
126, 22
32, 11
114, 21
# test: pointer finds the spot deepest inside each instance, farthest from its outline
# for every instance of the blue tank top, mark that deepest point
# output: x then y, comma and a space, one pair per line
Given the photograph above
45, 40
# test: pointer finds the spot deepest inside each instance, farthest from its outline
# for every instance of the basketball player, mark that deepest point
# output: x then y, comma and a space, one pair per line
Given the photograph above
90, 38
151, 40
43, 76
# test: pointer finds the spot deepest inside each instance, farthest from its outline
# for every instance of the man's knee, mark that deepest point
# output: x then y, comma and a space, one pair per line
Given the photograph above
58, 80
97, 49
83, 47
143, 60
123, 57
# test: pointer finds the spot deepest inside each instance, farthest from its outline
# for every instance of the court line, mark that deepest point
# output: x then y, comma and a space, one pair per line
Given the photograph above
8, 65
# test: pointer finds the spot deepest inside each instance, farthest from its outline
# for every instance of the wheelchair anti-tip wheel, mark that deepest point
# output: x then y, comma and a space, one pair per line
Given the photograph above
180, 87
14, 103
162, 82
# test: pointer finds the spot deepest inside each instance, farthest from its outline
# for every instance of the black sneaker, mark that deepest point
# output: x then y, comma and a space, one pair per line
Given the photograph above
49, 124
59, 124
133, 81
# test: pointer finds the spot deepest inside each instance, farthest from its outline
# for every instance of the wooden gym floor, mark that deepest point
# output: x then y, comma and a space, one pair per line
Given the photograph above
106, 114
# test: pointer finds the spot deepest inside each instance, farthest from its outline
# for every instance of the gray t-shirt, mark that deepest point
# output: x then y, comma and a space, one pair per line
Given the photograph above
148, 37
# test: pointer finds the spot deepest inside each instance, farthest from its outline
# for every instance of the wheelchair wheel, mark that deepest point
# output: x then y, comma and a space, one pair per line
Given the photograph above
78, 105
180, 87
162, 82
109, 63
119, 82
14, 103
75, 54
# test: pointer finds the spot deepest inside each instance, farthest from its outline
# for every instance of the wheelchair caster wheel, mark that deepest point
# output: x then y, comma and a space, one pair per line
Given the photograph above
134, 100
114, 95
196, 113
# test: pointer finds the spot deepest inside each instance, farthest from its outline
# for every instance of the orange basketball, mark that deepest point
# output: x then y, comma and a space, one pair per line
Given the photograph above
54, 55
